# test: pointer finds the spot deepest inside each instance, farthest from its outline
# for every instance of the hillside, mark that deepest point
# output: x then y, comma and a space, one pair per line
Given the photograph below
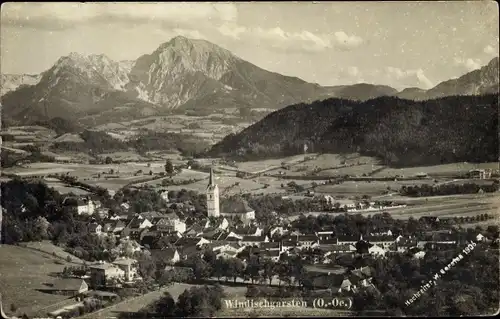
401, 132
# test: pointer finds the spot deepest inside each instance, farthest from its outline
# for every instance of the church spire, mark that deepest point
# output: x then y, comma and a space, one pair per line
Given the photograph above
211, 181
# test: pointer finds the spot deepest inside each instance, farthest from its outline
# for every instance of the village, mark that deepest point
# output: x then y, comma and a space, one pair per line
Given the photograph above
231, 240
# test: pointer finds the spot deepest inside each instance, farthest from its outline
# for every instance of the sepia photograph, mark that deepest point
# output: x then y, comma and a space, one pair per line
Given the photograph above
249, 159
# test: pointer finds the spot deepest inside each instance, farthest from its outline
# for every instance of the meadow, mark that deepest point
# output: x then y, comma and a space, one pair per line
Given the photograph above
22, 272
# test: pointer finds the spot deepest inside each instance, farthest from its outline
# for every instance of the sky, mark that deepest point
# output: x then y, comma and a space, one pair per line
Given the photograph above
401, 44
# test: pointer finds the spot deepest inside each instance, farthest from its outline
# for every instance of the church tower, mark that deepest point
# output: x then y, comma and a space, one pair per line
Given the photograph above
212, 196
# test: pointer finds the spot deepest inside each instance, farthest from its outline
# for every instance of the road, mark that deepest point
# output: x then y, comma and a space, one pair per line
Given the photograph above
137, 303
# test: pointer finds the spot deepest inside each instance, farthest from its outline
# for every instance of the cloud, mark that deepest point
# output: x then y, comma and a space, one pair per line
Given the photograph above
192, 34
408, 78
491, 49
231, 31
56, 16
468, 64
303, 41
347, 42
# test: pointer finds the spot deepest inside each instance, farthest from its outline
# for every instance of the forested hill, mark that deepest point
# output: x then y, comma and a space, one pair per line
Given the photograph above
401, 132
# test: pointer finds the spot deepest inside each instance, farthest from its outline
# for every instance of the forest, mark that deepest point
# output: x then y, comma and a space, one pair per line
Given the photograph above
400, 132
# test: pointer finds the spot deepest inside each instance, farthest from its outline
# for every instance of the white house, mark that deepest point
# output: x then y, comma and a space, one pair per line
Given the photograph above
129, 266
376, 250
82, 206
164, 195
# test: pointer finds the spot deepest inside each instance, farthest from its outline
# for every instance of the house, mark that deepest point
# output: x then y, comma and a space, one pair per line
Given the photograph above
271, 246
337, 283
350, 240
194, 230
289, 244
376, 250
129, 266
340, 249
125, 206
278, 230
480, 174
101, 273
169, 224
139, 222
237, 208
117, 226
227, 254
67, 287
164, 195
273, 255
324, 235
166, 256
430, 220
95, 228
254, 240
325, 244
306, 241
81, 206
383, 241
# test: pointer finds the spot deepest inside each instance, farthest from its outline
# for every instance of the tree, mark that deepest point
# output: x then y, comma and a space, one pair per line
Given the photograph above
147, 267
166, 305
40, 229
252, 268
235, 268
268, 270
108, 160
169, 167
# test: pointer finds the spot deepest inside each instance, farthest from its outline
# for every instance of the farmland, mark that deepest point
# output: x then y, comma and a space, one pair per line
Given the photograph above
22, 272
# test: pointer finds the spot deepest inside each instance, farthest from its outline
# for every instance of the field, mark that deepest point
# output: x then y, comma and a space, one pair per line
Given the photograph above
212, 128
437, 170
22, 271
49, 248
259, 166
440, 206
122, 174
372, 188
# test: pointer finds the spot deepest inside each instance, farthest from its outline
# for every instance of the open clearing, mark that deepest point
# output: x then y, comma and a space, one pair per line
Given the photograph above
22, 271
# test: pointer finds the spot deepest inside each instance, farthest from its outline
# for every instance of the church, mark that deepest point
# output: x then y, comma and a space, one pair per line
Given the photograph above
230, 208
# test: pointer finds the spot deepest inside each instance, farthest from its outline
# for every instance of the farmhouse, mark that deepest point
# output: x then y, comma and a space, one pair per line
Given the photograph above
69, 287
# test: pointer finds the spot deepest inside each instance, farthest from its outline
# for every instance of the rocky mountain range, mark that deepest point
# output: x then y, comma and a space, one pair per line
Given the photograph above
183, 73
10, 82
481, 81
